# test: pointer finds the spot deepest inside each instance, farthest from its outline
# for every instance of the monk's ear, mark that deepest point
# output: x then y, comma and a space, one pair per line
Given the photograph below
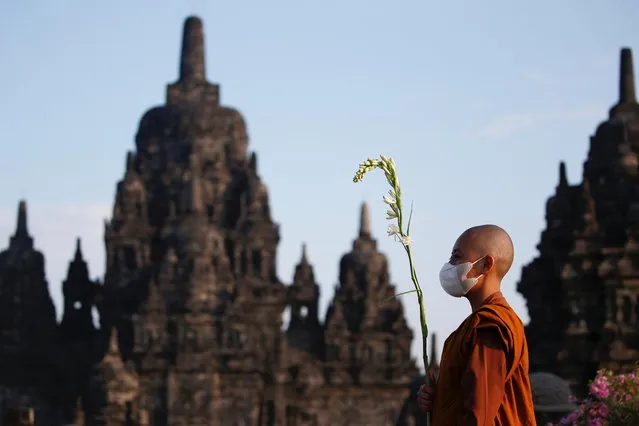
489, 264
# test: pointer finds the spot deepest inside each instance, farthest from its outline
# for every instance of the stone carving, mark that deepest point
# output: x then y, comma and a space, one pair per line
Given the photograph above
582, 289
190, 309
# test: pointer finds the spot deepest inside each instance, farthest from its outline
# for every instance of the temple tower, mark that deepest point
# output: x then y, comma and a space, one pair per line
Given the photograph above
190, 329
79, 293
367, 337
191, 251
305, 331
77, 331
582, 289
32, 370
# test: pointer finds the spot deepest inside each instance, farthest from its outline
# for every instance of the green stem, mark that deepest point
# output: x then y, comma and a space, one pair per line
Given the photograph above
422, 320
394, 182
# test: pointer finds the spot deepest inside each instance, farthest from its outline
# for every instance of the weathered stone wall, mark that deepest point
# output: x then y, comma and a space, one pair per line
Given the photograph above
191, 306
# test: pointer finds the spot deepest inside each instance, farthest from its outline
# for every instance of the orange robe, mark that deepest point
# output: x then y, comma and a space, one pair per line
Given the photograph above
483, 376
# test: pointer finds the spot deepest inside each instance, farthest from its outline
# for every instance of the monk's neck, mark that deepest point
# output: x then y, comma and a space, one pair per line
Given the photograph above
477, 300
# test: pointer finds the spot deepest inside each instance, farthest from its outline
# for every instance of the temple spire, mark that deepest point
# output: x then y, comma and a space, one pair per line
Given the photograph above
563, 178
304, 259
364, 221
192, 58
253, 162
626, 78
130, 162
21, 238
78, 249
21, 226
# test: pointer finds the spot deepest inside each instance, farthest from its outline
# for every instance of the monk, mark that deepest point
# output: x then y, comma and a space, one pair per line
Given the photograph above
483, 377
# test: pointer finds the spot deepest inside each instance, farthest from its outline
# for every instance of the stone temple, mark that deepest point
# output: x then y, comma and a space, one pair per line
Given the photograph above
190, 330
583, 288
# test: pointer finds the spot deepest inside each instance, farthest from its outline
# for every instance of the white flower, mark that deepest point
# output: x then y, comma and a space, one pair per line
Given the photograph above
390, 199
391, 214
393, 231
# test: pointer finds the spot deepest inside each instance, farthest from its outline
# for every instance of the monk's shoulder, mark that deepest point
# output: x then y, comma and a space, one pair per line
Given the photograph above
498, 313
500, 319
459, 339
497, 324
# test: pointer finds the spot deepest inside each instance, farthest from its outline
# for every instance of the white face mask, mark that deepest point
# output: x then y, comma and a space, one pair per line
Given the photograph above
453, 278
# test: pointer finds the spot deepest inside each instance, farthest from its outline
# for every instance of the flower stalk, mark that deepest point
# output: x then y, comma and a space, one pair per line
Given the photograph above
396, 230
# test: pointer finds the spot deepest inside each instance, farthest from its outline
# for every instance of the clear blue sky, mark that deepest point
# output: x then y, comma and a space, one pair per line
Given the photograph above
477, 101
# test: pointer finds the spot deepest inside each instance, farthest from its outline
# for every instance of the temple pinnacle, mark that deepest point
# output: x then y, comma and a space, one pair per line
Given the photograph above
130, 162
21, 227
304, 260
364, 221
192, 57
563, 179
253, 161
78, 249
626, 78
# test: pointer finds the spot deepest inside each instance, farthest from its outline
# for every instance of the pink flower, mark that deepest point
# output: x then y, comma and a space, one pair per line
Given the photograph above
570, 418
610, 398
599, 387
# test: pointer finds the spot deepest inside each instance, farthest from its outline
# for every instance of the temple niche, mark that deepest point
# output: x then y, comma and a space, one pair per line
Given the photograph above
582, 289
190, 306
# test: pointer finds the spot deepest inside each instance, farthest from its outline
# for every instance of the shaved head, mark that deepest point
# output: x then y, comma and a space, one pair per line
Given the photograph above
483, 241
